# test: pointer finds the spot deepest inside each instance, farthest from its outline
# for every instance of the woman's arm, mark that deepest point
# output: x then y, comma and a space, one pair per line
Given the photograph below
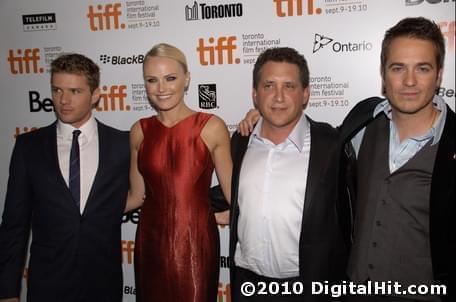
136, 193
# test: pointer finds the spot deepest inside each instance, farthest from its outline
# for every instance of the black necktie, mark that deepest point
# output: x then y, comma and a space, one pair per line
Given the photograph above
75, 178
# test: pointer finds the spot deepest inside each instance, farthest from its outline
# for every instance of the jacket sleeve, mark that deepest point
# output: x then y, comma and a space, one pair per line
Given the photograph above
15, 226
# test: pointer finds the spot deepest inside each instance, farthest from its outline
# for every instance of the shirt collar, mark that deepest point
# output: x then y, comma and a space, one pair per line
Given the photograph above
436, 129
296, 136
88, 129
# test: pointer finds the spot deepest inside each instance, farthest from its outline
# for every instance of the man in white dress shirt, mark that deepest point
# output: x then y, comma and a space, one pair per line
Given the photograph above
284, 218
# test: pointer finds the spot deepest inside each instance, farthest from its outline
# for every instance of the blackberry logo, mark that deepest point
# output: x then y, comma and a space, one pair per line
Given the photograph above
119, 60
105, 59
207, 94
320, 41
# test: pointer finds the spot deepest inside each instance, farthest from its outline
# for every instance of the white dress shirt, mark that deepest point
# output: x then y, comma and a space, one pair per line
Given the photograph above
272, 186
88, 154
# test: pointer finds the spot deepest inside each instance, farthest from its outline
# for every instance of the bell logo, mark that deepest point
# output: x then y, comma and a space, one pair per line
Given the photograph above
113, 98
447, 29
224, 47
295, 8
105, 17
25, 61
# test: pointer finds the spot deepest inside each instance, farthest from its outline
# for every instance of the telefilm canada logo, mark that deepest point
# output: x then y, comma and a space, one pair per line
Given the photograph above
121, 60
207, 95
205, 11
322, 41
39, 22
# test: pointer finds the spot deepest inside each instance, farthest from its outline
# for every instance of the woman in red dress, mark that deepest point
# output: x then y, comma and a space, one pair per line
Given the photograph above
173, 155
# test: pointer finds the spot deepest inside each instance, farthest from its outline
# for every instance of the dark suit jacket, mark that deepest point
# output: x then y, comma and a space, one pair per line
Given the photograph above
322, 250
73, 257
442, 223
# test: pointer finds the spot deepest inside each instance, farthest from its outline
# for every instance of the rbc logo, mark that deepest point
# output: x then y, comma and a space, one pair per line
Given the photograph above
105, 17
207, 94
25, 61
224, 48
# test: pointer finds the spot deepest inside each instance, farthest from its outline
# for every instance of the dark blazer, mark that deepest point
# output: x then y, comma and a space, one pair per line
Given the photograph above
73, 257
322, 249
442, 223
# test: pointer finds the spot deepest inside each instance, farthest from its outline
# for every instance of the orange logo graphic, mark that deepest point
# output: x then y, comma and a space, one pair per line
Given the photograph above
25, 61
113, 98
105, 17
224, 48
21, 130
224, 292
447, 29
128, 249
288, 8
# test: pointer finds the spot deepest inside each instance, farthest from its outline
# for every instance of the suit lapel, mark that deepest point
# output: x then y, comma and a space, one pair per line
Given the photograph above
317, 158
50, 154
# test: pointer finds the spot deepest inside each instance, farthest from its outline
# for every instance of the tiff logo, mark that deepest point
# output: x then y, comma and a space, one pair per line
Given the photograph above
128, 249
224, 47
105, 17
207, 94
21, 130
288, 8
114, 100
448, 32
25, 61
191, 13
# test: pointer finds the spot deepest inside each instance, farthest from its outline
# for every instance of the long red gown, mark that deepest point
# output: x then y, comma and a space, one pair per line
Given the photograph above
177, 240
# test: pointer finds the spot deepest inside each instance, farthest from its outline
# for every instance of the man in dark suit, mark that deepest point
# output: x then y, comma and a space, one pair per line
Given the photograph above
404, 148
68, 184
285, 222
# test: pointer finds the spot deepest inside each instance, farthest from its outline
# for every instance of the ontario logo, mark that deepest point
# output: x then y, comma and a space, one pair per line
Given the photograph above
322, 41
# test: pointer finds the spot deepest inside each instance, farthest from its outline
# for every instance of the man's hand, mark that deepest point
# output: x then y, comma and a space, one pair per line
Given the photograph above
222, 218
250, 119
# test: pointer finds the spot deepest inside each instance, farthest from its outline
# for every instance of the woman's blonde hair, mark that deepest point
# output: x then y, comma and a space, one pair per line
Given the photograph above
168, 51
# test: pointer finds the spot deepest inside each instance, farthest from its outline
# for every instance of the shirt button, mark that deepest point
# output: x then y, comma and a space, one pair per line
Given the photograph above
383, 201
387, 181
378, 223
370, 266
374, 244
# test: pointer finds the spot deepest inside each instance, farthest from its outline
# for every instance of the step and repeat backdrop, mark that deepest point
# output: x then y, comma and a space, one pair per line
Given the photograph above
221, 38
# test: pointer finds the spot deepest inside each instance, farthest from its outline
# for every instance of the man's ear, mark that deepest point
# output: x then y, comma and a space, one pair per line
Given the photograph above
95, 96
254, 97
306, 97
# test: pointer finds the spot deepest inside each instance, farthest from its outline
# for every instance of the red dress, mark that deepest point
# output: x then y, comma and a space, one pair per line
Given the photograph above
177, 240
